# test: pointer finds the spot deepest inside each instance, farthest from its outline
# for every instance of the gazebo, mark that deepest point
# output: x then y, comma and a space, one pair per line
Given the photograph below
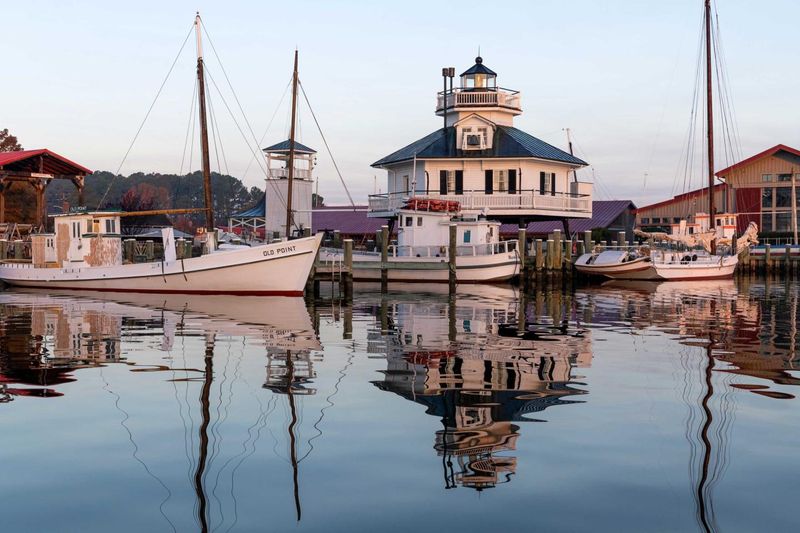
38, 168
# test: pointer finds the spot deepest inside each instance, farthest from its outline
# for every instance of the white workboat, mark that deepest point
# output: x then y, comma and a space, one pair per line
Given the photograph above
85, 250
421, 254
85, 253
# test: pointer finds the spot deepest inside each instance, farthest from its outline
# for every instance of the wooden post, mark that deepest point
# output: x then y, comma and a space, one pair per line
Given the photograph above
451, 253
767, 256
347, 320
337, 238
587, 241
384, 257
568, 256
581, 245
2, 201
556, 265
539, 257
621, 239
347, 277
3, 249
150, 250
788, 259
551, 254
522, 248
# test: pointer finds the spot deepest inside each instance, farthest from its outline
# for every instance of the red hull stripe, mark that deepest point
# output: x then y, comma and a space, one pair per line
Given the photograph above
164, 291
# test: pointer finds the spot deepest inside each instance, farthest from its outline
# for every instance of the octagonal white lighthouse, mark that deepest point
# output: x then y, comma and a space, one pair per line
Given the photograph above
480, 160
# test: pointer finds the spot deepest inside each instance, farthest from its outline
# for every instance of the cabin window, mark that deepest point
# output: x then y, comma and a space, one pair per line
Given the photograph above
419, 221
784, 177
467, 236
645, 221
766, 198
766, 178
409, 221
783, 197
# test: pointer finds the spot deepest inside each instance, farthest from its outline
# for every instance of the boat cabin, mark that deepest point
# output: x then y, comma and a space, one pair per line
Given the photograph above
79, 239
421, 226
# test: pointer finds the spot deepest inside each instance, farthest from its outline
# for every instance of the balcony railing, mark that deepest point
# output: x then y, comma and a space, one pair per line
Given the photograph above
478, 200
283, 173
479, 97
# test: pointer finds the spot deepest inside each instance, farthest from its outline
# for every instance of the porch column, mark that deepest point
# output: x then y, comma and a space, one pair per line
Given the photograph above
39, 186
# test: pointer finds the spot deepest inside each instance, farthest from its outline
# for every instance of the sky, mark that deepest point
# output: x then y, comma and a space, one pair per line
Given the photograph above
79, 77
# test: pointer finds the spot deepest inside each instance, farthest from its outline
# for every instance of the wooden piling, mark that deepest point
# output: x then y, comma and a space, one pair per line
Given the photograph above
539, 254
347, 271
522, 250
557, 251
337, 239
587, 241
568, 255
621, 239
384, 257
767, 257
550, 254
451, 253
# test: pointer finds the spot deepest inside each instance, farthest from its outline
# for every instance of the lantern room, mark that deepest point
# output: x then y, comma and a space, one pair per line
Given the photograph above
479, 77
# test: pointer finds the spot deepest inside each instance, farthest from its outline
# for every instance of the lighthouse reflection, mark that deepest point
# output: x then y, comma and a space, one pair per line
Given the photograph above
483, 364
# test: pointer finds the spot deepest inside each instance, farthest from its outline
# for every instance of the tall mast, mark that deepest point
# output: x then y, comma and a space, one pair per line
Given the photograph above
201, 86
709, 118
205, 409
289, 221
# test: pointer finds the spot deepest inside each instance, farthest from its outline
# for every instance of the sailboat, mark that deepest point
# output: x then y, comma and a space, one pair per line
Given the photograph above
85, 250
665, 265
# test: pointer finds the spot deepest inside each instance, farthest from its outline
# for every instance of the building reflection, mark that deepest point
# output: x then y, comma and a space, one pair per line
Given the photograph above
483, 365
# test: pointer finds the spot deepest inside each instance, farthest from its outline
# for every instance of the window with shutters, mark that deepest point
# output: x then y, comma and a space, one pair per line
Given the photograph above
451, 181
547, 183
500, 181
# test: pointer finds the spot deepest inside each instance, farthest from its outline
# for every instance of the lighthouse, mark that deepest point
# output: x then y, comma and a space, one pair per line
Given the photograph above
477, 157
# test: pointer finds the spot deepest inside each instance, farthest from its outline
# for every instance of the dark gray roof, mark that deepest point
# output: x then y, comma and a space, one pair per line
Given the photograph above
508, 142
258, 210
283, 146
479, 68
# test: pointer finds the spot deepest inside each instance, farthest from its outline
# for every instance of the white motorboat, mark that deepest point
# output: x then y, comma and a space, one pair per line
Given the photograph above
617, 264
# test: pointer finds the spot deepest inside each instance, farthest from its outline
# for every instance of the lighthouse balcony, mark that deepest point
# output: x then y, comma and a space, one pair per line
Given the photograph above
283, 173
483, 97
524, 203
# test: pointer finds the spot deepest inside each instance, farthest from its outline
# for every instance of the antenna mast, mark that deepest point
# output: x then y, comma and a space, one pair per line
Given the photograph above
209, 199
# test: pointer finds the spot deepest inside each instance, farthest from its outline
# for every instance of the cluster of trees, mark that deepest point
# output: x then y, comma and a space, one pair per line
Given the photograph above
137, 192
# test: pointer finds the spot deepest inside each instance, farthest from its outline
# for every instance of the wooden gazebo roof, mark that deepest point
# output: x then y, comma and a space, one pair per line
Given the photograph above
49, 163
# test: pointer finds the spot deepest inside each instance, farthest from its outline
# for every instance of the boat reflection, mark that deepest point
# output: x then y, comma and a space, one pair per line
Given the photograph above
481, 363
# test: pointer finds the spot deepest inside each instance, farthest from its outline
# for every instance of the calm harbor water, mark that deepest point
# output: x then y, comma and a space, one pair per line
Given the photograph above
621, 407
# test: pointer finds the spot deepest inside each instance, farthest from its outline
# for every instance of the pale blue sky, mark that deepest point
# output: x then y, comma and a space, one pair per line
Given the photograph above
79, 76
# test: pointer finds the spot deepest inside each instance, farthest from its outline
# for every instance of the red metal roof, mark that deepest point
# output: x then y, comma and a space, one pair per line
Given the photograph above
52, 162
685, 196
766, 153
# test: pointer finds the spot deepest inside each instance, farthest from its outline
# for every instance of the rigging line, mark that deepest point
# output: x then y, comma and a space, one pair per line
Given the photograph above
126, 416
269, 124
189, 125
213, 132
325, 141
244, 115
215, 124
247, 142
152, 104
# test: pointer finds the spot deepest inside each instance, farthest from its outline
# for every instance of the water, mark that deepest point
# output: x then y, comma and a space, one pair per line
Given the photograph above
646, 407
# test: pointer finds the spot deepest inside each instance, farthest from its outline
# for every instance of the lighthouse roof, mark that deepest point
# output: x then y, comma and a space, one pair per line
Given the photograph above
508, 142
283, 146
479, 68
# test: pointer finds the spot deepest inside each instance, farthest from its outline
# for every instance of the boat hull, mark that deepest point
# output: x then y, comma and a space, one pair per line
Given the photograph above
494, 268
723, 269
637, 269
271, 269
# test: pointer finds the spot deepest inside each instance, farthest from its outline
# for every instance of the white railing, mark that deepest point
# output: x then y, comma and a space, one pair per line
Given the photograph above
477, 200
281, 173
498, 97
472, 250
